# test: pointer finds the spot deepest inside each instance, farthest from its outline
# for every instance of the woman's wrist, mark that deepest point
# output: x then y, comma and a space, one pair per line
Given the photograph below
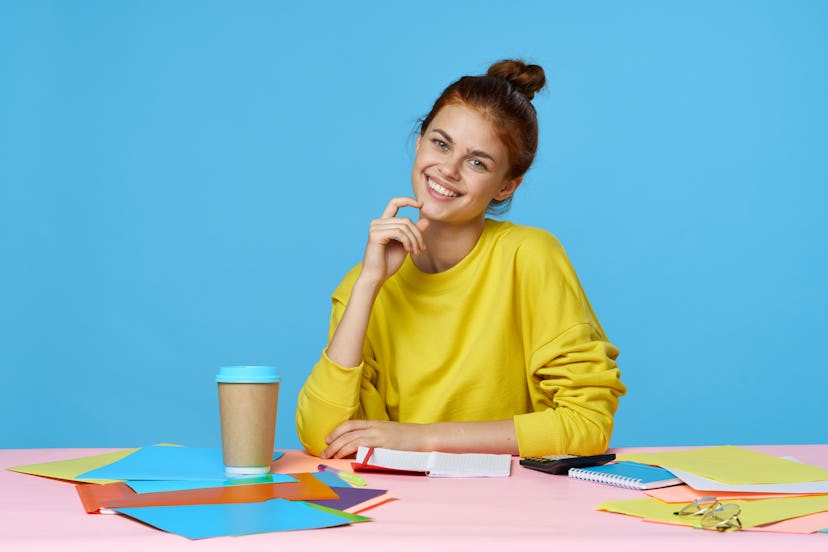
368, 284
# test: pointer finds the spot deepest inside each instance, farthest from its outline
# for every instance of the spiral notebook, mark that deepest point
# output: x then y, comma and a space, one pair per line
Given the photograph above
629, 475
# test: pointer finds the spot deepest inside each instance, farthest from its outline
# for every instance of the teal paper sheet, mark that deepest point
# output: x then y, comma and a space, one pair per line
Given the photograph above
167, 463
330, 479
217, 520
146, 486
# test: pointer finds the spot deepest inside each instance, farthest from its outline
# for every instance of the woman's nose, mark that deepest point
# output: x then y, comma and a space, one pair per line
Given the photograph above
450, 168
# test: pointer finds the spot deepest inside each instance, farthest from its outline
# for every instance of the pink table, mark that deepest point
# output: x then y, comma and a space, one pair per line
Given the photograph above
529, 510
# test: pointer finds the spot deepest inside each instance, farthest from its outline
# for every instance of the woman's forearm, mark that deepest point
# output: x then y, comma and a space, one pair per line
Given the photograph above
348, 339
496, 437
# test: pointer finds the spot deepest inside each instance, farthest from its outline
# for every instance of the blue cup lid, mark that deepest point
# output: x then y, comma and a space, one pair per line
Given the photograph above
247, 374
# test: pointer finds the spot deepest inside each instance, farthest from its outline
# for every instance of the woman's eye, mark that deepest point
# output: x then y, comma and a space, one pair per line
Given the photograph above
440, 144
478, 164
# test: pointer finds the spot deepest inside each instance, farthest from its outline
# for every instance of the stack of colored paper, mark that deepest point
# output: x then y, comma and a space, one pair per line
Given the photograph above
184, 491
773, 494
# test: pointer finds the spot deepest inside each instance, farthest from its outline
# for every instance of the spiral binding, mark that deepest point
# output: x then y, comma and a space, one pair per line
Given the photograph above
607, 478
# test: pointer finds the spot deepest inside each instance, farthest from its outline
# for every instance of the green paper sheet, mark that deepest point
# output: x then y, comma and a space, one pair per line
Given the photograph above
732, 465
69, 470
754, 512
353, 518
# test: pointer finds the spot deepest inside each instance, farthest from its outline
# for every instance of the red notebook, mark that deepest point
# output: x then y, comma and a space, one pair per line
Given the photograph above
434, 464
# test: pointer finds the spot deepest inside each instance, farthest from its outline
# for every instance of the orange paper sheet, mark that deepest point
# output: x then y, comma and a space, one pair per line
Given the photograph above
119, 495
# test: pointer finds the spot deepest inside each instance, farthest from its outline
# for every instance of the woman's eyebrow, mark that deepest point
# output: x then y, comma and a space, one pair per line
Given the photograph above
447, 138
444, 134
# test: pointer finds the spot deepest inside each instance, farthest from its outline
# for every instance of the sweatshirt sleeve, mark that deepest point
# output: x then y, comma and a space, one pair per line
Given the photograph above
575, 395
571, 370
333, 394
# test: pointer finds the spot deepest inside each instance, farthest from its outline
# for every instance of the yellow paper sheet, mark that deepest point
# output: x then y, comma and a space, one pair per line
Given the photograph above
754, 512
732, 465
69, 470
802, 525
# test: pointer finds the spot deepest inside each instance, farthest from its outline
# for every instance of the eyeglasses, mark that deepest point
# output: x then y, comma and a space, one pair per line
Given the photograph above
713, 514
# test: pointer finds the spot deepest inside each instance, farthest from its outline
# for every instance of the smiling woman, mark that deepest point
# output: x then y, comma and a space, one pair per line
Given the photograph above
459, 333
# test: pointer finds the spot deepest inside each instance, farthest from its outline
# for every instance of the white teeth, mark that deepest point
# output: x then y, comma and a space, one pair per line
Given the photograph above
440, 190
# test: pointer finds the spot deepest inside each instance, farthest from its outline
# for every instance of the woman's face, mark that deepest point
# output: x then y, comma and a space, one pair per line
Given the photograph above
460, 167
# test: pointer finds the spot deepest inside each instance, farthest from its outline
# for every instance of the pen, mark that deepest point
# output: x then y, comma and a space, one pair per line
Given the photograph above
348, 477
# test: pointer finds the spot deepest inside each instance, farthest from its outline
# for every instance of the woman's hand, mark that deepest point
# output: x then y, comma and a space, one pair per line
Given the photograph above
390, 239
493, 437
349, 436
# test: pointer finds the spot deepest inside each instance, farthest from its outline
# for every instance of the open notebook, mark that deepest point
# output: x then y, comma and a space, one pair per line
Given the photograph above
434, 464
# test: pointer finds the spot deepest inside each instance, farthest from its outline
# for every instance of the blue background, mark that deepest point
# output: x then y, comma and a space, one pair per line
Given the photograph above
182, 185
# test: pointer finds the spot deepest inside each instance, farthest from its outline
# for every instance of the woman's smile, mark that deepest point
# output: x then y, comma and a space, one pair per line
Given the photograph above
441, 191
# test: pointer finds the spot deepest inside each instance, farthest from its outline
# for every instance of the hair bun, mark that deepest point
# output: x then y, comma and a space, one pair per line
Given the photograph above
528, 79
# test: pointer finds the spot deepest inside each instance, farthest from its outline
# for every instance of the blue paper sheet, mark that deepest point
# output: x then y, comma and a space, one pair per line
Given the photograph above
146, 486
216, 520
167, 463
330, 479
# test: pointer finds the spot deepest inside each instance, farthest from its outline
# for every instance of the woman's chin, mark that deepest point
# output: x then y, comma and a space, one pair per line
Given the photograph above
431, 212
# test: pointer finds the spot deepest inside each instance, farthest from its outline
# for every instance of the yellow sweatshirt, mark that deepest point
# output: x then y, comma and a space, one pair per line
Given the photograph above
507, 333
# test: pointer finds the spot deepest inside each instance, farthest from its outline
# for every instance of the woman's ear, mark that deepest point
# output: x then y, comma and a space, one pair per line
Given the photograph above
508, 189
417, 143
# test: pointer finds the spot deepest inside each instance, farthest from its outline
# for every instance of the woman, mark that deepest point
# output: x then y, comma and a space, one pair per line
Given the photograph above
459, 333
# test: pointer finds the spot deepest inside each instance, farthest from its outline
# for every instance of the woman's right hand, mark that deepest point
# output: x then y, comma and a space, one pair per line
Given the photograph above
390, 239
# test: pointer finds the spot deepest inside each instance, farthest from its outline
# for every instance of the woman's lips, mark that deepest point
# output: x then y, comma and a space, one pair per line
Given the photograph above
440, 190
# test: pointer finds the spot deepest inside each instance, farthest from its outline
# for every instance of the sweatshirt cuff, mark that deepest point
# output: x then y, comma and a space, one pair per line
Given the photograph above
536, 435
327, 374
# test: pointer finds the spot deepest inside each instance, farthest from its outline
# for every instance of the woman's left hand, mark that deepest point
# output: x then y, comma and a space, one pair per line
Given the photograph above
349, 436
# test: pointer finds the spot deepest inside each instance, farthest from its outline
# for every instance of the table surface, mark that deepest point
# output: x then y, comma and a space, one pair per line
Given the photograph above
530, 509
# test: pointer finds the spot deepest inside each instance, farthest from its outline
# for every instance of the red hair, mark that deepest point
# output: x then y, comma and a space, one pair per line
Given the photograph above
503, 96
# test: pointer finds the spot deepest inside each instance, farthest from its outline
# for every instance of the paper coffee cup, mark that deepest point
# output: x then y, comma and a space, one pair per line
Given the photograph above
248, 400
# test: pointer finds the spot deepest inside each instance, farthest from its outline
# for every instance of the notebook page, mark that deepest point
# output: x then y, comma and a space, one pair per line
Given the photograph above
444, 464
396, 459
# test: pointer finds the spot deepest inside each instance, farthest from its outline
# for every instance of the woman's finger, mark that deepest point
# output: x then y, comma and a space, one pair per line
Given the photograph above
343, 428
346, 449
397, 202
396, 228
346, 443
402, 234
